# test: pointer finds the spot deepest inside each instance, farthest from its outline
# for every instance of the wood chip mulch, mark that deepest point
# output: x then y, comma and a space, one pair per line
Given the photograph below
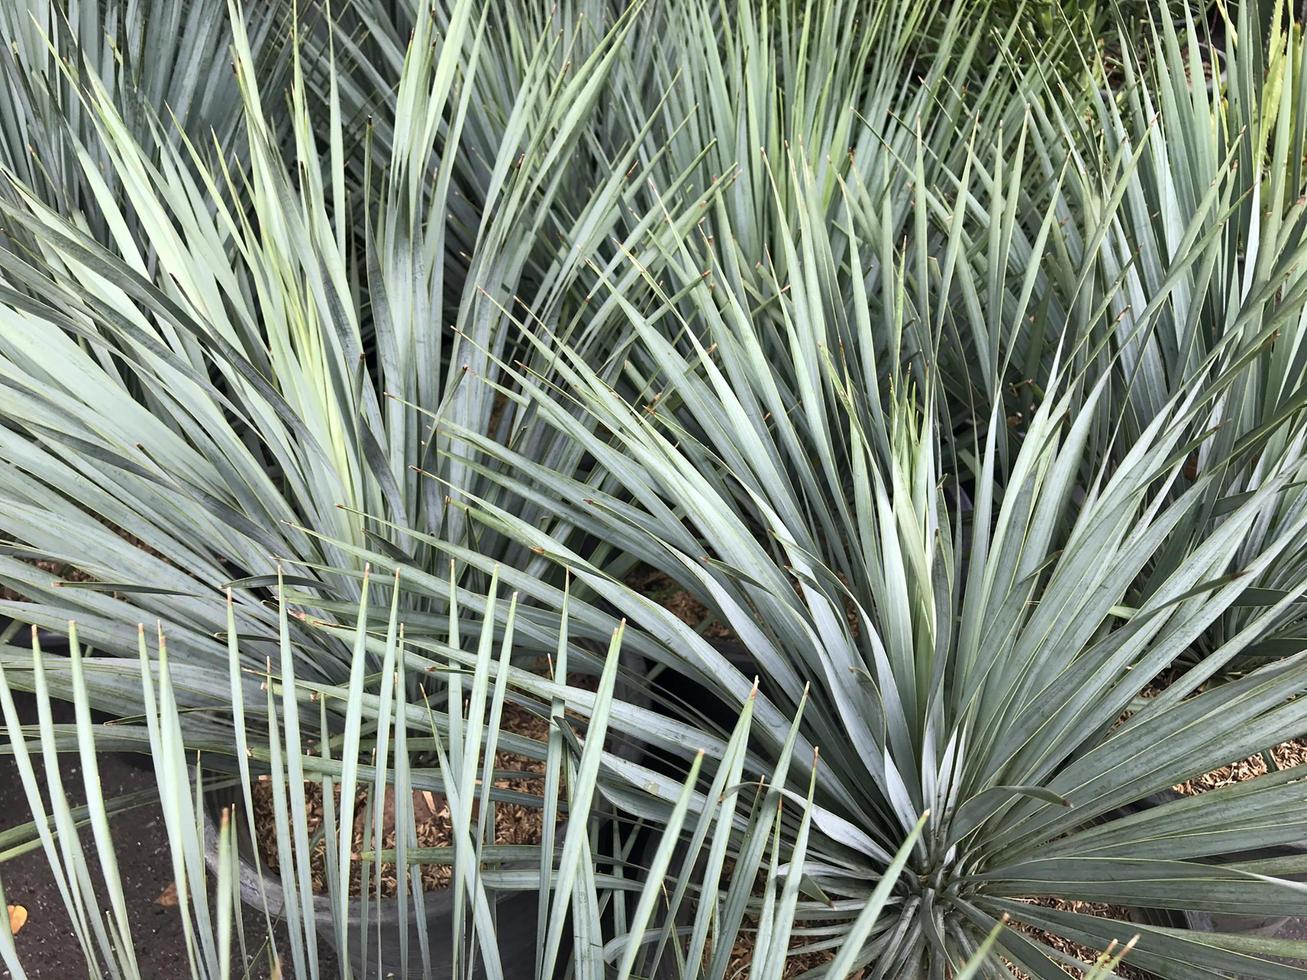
797, 961
685, 607
1083, 953
1286, 755
514, 823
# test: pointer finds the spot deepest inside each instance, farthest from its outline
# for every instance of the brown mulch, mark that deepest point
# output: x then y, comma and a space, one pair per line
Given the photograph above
797, 962
1286, 755
514, 823
1083, 953
689, 610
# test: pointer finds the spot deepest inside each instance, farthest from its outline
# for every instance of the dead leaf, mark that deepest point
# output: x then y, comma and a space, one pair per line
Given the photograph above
168, 897
17, 918
426, 807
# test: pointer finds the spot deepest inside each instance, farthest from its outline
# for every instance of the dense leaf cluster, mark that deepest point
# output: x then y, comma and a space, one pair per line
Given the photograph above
945, 370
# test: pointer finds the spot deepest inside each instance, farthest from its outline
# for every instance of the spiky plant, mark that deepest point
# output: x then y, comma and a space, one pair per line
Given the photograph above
977, 659
160, 59
1155, 217
370, 739
259, 348
763, 389
250, 368
380, 752
1238, 141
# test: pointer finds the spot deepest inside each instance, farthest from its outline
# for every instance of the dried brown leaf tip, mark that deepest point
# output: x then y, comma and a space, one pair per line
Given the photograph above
168, 897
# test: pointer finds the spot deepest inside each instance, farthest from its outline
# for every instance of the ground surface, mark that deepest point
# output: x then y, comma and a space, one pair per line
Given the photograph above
45, 944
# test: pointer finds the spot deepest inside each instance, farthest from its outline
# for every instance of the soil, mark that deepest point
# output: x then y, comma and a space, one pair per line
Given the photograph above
797, 962
1083, 953
1286, 755
46, 945
514, 823
680, 603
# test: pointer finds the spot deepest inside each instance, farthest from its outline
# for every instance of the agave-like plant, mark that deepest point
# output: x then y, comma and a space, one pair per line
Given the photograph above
182, 402
159, 59
978, 662
1176, 185
554, 318
595, 915
250, 367
866, 94
1225, 173
371, 738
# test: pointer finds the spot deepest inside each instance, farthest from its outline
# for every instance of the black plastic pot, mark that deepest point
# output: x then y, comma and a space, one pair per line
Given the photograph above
673, 687
51, 642
685, 690
667, 967
514, 911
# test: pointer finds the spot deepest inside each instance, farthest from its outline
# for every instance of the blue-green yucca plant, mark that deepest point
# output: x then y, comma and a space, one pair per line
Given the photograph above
979, 662
596, 918
377, 740
222, 350
682, 364
1156, 216
247, 366
226, 348
258, 349
158, 59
